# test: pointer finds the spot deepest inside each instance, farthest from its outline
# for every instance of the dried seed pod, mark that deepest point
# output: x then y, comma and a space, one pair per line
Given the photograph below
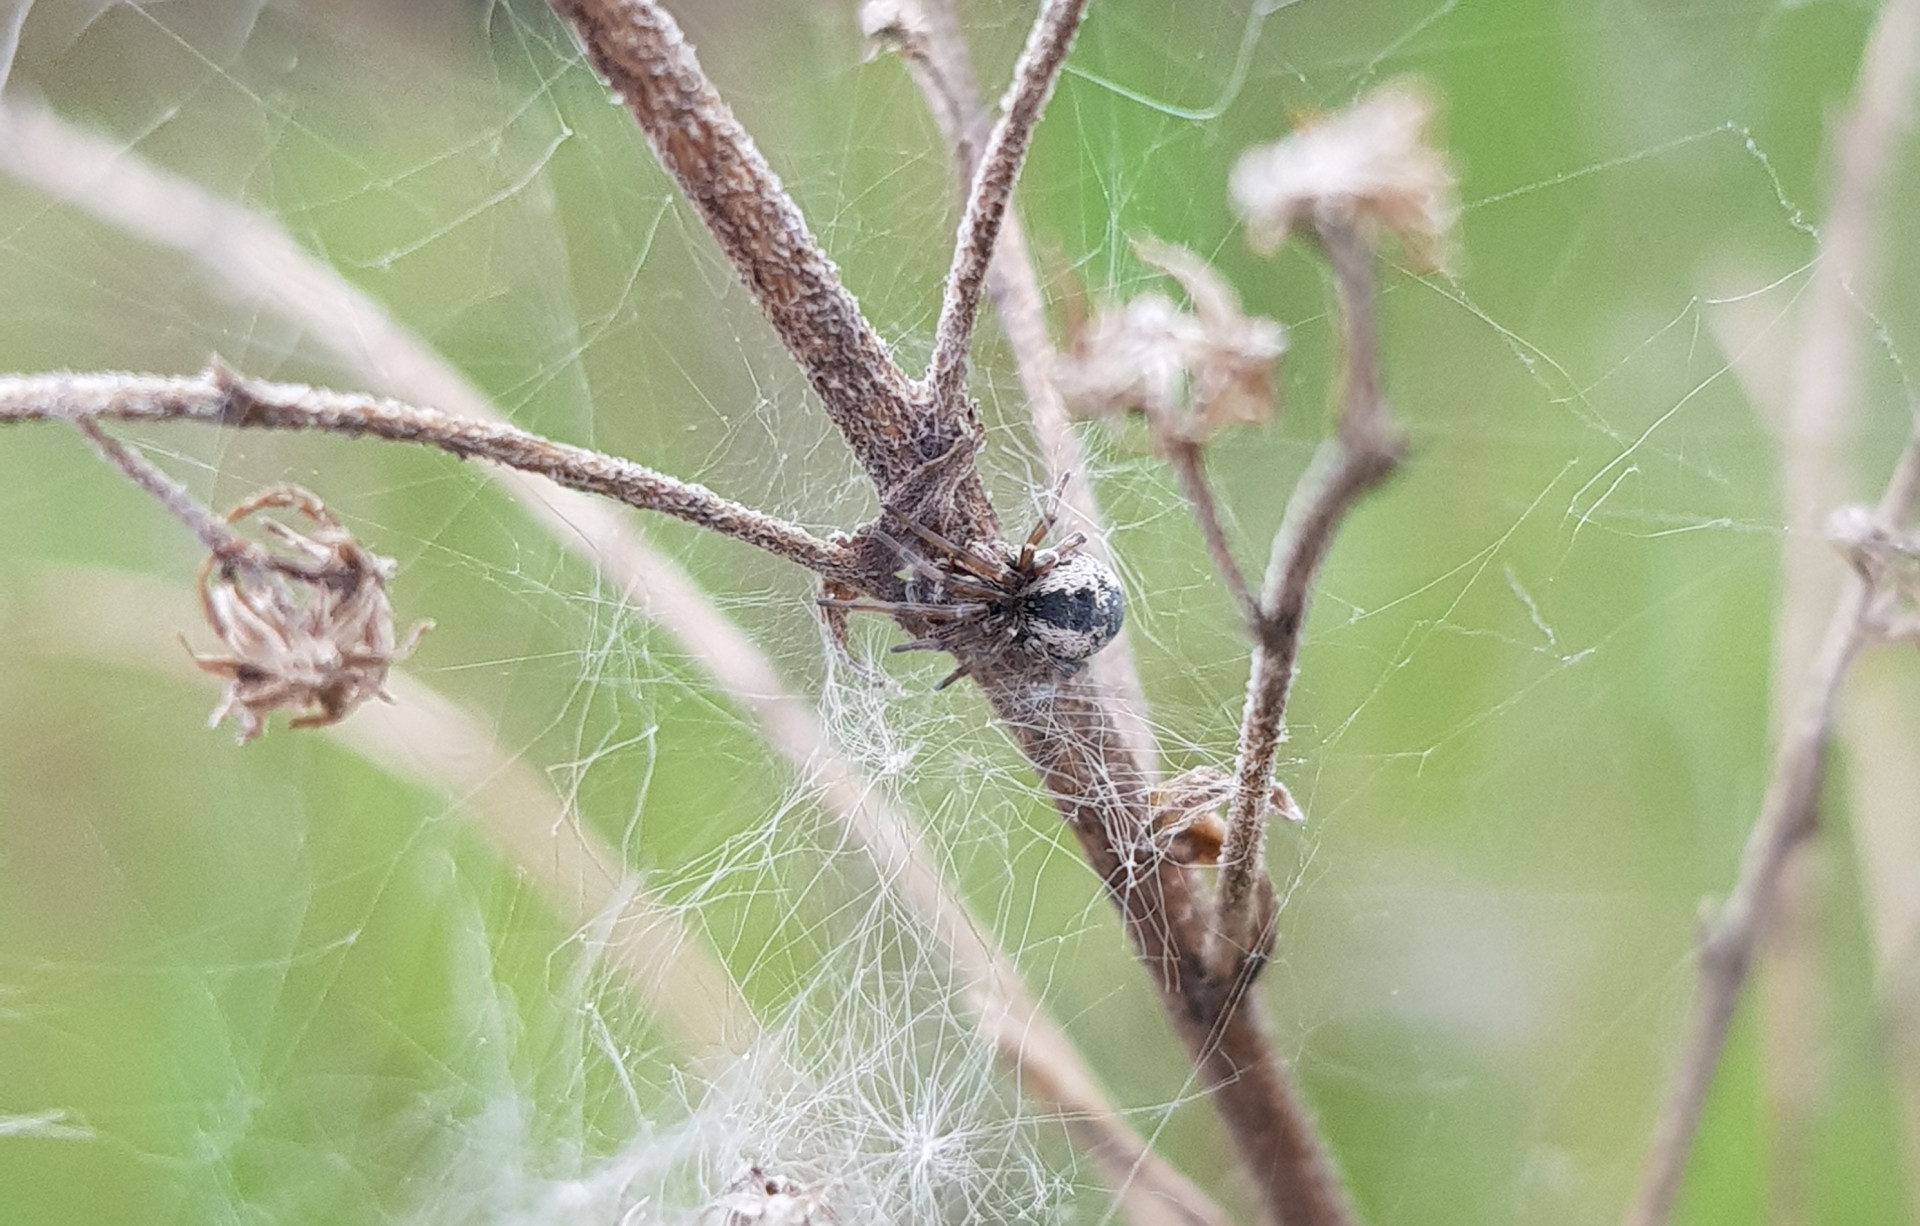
309, 630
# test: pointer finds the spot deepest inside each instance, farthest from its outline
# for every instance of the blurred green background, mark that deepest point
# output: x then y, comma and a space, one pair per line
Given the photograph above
1530, 729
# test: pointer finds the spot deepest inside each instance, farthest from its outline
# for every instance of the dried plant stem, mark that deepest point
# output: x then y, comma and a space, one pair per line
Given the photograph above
1097, 759
218, 538
1364, 453
999, 166
1189, 463
1067, 732
250, 258
1787, 816
938, 59
220, 397
1818, 473
640, 52
1812, 420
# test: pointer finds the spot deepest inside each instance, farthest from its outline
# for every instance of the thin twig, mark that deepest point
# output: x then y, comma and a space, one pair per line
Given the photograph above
216, 535
250, 258
221, 397
1364, 453
1078, 738
1813, 421
640, 52
1190, 466
1067, 732
1787, 815
1819, 471
1006, 151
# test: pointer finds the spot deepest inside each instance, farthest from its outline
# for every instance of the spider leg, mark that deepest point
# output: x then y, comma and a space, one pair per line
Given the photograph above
1047, 518
1034, 538
938, 612
989, 589
1046, 559
995, 574
978, 593
926, 644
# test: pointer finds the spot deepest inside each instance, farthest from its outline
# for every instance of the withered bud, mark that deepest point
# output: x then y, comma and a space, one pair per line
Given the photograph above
1186, 814
1190, 374
1369, 167
310, 628
1888, 562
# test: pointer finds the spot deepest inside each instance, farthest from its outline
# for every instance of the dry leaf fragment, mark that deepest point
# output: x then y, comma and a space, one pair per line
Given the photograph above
312, 632
1369, 166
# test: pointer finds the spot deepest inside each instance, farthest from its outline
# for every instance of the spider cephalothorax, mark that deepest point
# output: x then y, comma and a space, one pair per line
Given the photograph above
1057, 606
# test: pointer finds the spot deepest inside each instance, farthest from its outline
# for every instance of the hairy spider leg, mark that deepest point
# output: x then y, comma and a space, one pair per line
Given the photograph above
995, 573
1046, 559
939, 612
1000, 642
1048, 517
946, 580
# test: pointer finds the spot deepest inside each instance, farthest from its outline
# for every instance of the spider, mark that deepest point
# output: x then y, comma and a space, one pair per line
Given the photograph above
1055, 605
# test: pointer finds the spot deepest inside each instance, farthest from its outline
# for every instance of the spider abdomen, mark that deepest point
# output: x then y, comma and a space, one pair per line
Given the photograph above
1073, 610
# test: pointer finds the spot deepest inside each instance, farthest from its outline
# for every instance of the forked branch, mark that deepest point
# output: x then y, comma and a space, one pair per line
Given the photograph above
896, 434
1364, 453
993, 180
640, 52
247, 256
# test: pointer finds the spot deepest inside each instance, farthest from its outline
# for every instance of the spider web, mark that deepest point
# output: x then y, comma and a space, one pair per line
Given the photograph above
292, 983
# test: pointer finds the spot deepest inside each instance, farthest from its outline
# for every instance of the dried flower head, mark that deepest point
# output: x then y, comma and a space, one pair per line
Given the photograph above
1888, 561
1370, 167
310, 628
1190, 374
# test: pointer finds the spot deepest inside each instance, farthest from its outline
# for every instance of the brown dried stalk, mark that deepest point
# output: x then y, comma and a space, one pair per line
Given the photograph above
1268, 1120
1189, 462
215, 534
1068, 734
1820, 471
309, 629
922, 459
999, 166
1822, 398
884, 416
1364, 453
1081, 756
1787, 816
219, 396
